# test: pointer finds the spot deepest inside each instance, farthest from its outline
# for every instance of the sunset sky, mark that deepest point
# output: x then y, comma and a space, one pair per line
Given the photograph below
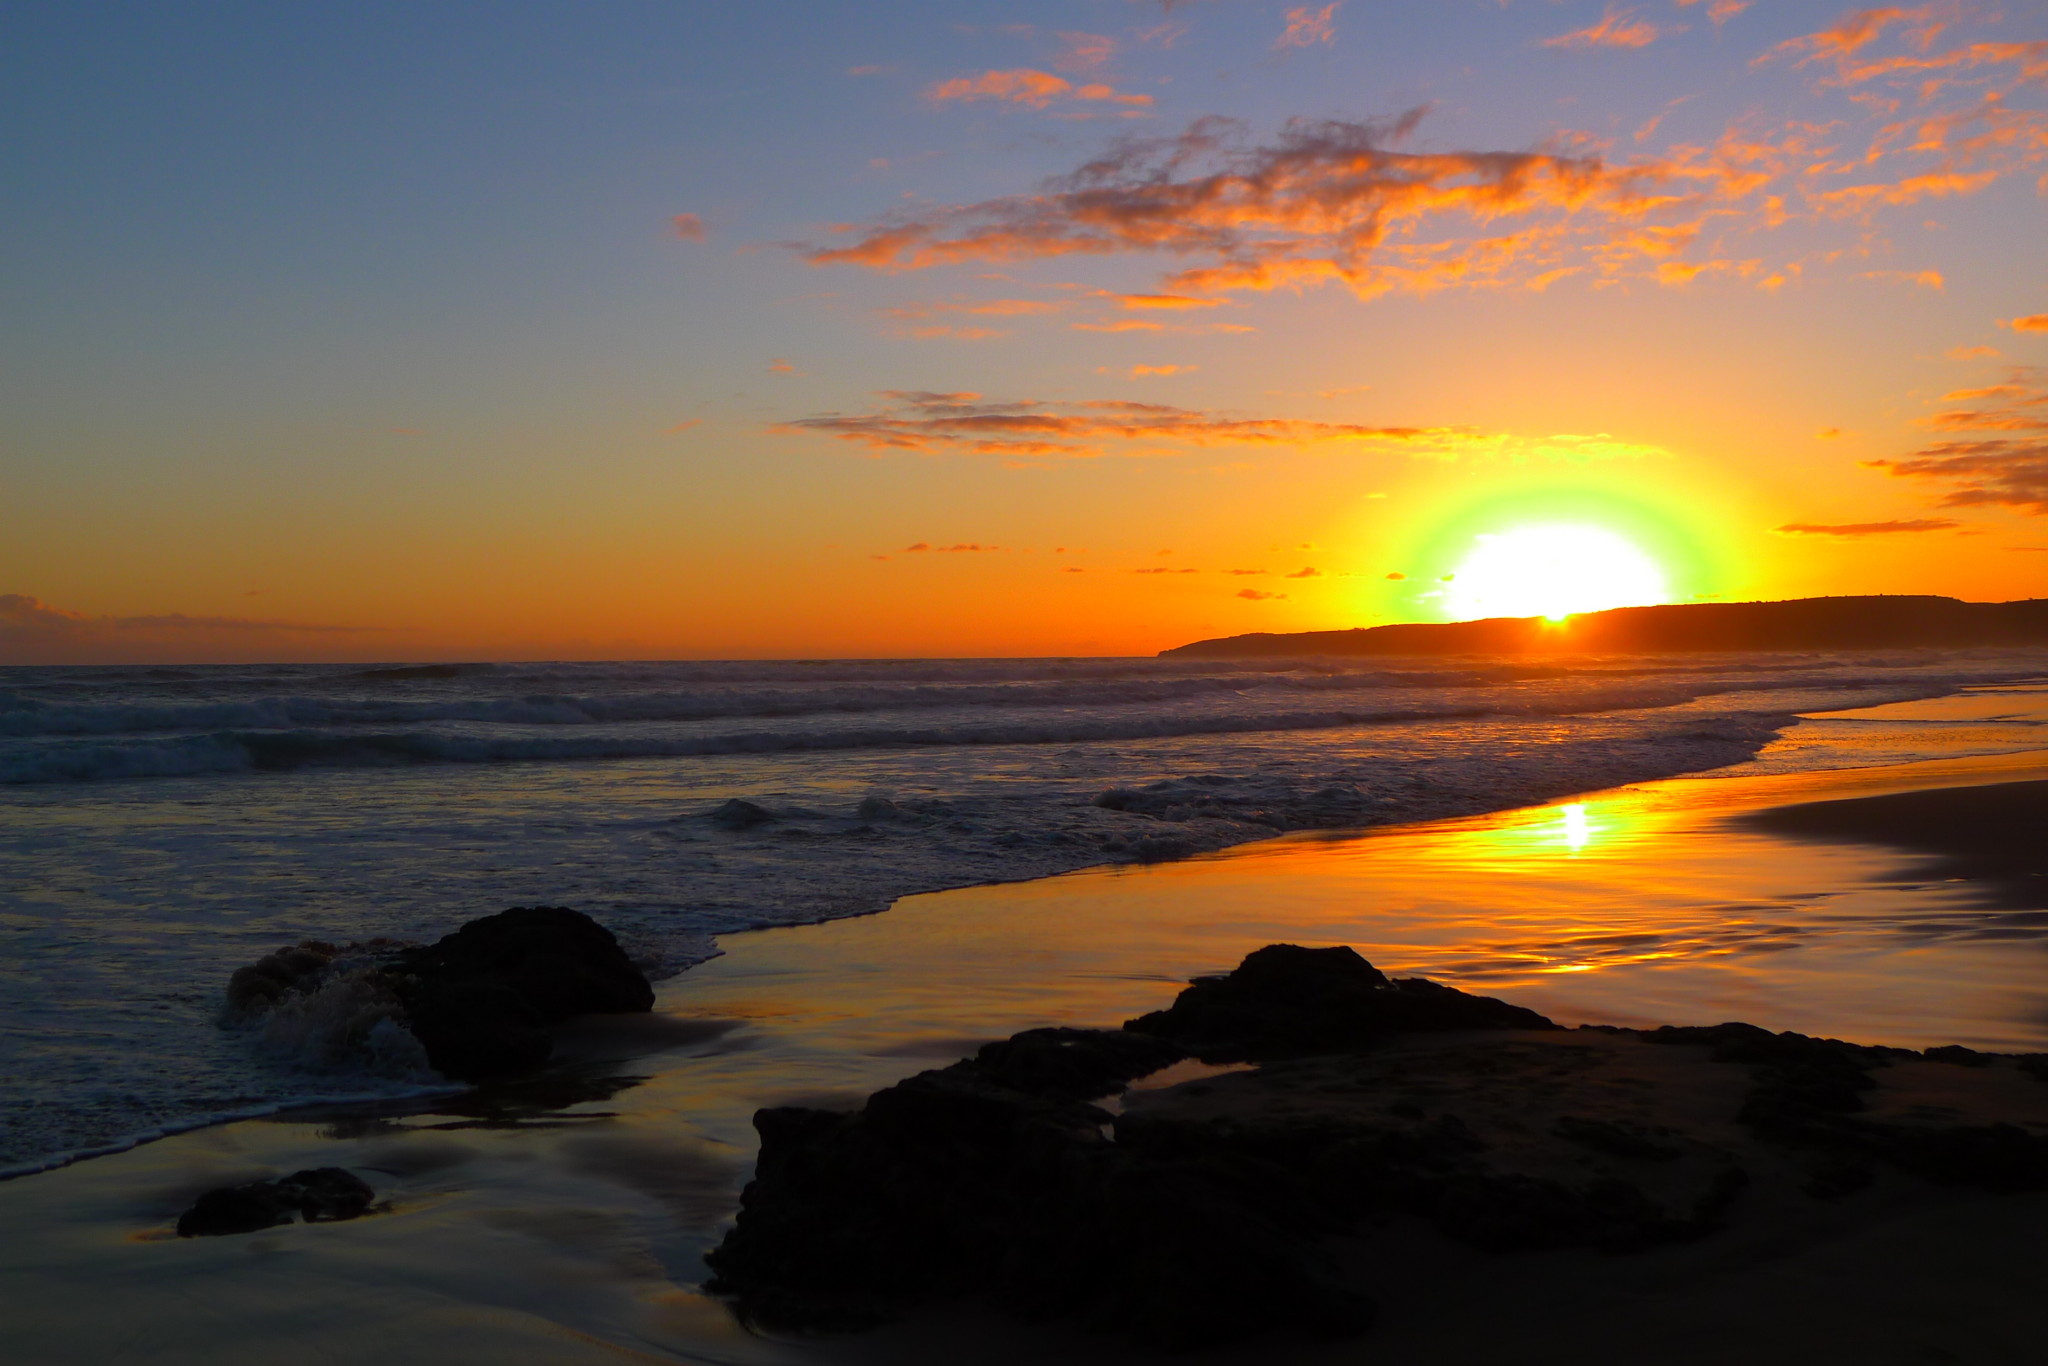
675, 329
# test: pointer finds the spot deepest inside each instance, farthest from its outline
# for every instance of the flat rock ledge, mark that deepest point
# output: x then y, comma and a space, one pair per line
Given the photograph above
1216, 1170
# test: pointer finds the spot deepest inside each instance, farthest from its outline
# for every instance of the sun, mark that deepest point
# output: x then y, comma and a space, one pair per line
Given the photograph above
1553, 570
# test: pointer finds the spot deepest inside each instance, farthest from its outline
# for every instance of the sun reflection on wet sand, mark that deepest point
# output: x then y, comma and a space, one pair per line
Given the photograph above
1641, 905
1578, 831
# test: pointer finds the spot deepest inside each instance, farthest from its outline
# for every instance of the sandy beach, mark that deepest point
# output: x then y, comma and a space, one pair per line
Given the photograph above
564, 1219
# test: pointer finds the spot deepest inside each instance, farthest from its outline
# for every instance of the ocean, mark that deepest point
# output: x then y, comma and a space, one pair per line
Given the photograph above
161, 826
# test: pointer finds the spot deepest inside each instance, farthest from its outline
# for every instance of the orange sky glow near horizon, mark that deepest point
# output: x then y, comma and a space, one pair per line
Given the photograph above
1089, 327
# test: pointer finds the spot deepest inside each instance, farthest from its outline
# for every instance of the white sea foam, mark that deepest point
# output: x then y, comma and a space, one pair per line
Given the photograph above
161, 827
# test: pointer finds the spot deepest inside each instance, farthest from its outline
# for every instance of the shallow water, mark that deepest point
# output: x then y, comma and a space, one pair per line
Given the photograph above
213, 814
566, 1221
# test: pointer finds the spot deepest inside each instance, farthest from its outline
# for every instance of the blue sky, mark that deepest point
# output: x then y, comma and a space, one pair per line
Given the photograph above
378, 316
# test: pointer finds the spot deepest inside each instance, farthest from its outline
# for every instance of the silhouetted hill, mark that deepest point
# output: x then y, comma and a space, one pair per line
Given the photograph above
1801, 624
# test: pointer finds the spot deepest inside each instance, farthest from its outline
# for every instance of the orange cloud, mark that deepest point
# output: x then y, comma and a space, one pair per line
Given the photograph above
1346, 203
1615, 29
1843, 45
1027, 87
1306, 27
2033, 322
993, 308
1140, 371
1259, 595
967, 423
1849, 36
1856, 529
1175, 301
1315, 206
1926, 279
1084, 51
1023, 86
1720, 11
1972, 352
2005, 460
688, 226
958, 333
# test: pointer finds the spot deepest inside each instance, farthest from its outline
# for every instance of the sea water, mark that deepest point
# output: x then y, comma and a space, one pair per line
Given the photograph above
161, 826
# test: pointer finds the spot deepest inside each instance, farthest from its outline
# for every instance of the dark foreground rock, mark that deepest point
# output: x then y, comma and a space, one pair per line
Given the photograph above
322, 1195
481, 999
1278, 1127
1285, 1000
480, 1002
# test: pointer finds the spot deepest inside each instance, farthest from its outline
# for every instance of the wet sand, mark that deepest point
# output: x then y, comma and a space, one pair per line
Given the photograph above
1995, 837
563, 1221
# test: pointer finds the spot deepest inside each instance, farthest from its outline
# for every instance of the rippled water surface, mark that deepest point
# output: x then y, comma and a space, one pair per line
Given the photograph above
160, 827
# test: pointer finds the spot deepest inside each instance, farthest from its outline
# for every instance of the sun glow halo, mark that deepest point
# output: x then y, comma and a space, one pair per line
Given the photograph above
1553, 570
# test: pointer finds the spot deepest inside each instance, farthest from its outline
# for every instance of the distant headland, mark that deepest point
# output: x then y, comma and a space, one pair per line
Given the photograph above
1847, 623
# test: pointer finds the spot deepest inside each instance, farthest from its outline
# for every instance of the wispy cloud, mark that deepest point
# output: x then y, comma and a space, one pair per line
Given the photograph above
1168, 301
1352, 203
984, 308
955, 332
1030, 88
1847, 36
687, 226
2002, 460
968, 423
1720, 11
32, 631
21, 613
1307, 27
1314, 205
1859, 529
1617, 28
1259, 595
1848, 47
2033, 322
1084, 51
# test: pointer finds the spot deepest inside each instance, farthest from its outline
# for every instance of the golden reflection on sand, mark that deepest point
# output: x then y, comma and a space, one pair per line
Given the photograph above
568, 1232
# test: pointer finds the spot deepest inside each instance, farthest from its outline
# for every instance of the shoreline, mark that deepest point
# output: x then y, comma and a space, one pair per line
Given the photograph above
642, 847
570, 1227
1991, 835
1903, 792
